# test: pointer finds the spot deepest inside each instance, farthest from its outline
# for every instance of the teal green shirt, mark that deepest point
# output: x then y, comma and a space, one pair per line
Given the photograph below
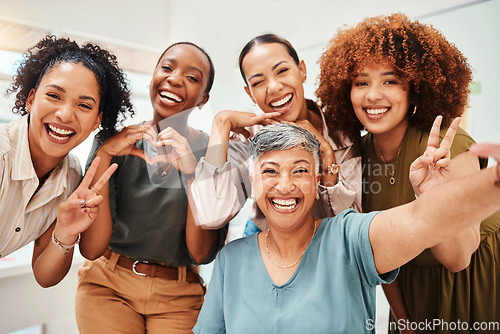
331, 291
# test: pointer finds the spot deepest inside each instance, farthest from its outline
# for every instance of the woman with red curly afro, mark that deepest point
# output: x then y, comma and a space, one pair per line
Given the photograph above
396, 76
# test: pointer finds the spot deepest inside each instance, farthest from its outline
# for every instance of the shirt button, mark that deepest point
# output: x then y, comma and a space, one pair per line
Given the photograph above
18, 229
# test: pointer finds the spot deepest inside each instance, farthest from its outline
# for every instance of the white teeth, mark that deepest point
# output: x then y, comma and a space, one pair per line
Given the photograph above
285, 204
376, 111
171, 96
60, 134
282, 101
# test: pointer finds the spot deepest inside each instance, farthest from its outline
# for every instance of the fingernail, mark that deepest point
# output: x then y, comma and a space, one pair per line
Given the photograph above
81, 202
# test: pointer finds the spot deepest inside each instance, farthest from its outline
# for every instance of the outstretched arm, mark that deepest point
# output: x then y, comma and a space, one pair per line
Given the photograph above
399, 234
52, 260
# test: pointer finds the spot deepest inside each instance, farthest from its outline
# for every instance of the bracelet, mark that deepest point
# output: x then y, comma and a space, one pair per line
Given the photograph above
62, 246
333, 168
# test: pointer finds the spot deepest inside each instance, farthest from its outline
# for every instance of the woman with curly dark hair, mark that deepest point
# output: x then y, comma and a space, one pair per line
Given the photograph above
64, 92
396, 76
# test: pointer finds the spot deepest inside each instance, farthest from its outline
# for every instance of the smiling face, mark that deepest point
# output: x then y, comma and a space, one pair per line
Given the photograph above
63, 110
381, 100
275, 81
285, 185
179, 81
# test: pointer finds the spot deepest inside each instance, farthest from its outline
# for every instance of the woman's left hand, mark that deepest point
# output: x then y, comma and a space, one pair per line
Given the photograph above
177, 151
81, 208
431, 168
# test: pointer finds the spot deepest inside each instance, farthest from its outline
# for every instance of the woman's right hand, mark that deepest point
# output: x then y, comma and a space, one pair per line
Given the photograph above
123, 143
238, 120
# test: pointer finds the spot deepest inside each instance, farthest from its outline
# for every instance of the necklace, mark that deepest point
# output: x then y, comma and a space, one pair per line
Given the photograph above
392, 180
300, 257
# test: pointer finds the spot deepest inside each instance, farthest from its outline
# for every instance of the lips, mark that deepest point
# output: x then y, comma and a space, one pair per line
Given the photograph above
376, 111
171, 96
285, 205
59, 133
281, 103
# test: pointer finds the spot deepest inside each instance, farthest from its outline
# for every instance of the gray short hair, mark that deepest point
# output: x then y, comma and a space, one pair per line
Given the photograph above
279, 137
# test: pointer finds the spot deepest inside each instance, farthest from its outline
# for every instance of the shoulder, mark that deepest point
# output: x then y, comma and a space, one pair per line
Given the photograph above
238, 247
349, 221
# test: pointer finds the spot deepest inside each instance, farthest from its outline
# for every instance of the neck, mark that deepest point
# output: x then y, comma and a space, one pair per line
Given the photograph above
390, 142
311, 117
288, 244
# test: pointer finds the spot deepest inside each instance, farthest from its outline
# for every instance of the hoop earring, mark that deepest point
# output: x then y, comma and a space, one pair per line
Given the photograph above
414, 111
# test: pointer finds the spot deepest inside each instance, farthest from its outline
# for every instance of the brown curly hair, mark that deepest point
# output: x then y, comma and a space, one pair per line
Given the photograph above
438, 73
115, 103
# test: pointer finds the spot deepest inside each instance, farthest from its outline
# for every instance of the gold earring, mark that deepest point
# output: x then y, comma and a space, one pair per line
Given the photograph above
317, 195
414, 110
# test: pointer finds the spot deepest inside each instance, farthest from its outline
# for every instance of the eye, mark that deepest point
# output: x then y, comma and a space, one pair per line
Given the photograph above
256, 83
269, 171
86, 106
167, 68
301, 170
391, 82
283, 70
360, 84
192, 78
54, 96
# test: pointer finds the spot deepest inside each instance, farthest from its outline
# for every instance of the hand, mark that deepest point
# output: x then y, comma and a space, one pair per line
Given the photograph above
238, 120
179, 155
123, 143
431, 168
81, 208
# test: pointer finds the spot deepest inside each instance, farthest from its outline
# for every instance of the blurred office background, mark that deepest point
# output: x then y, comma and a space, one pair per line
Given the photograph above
138, 32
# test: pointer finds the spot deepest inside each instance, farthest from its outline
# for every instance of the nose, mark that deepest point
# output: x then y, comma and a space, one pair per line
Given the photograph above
274, 86
374, 93
174, 79
285, 184
65, 113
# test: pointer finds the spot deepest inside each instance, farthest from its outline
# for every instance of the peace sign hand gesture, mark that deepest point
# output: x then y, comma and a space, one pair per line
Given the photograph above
431, 168
81, 208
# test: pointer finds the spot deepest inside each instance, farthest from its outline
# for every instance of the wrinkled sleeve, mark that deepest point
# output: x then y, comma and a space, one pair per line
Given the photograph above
218, 194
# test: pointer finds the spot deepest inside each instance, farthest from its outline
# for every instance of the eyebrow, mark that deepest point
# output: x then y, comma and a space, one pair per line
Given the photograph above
193, 68
294, 163
272, 68
383, 74
59, 88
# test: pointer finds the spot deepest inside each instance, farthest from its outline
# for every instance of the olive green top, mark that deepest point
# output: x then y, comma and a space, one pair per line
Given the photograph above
431, 291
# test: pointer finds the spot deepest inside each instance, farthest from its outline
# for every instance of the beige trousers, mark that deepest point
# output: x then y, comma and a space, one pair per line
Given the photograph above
112, 299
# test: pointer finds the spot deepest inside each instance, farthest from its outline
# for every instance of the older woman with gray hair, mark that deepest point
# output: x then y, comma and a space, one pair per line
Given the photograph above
307, 275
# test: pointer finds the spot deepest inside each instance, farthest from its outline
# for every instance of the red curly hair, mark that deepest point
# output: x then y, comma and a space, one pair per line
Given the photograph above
438, 72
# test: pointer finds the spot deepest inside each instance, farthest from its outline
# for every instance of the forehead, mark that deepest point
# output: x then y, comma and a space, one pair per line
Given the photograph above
264, 56
187, 55
71, 75
287, 157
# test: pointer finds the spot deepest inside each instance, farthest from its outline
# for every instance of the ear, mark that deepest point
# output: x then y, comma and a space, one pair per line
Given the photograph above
249, 93
318, 180
97, 121
30, 98
204, 100
303, 70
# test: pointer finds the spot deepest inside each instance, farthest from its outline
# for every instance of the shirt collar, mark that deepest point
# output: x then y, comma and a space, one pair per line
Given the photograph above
18, 136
